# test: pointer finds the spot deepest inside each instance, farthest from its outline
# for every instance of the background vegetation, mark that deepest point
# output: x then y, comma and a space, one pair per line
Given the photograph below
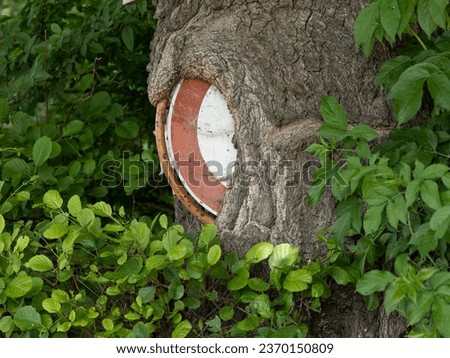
85, 250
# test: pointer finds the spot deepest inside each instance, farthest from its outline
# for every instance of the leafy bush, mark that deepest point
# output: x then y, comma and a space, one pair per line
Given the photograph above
87, 271
74, 113
391, 234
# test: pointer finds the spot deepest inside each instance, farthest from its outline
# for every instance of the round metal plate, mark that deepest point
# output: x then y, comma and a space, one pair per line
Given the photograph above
199, 132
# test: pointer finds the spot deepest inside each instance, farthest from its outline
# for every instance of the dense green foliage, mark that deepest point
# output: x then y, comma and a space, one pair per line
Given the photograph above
87, 271
83, 252
393, 208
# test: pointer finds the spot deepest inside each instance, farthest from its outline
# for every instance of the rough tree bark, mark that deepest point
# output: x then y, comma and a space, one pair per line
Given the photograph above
273, 60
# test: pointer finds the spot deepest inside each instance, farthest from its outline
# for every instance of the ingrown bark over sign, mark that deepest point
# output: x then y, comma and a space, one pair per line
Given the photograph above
273, 60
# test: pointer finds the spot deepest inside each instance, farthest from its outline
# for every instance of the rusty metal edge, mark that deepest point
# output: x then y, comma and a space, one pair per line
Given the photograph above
171, 175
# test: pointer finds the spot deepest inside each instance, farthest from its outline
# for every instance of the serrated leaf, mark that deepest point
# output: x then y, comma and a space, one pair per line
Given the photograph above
53, 199
42, 150
27, 318
51, 305
18, 287
407, 92
440, 220
259, 252
372, 219
441, 316
249, 324
128, 37
214, 254
439, 87
74, 205
391, 71
283, 256
147, 293
156, 262
182, 329
102, 209
261, 304
431, 14
374, 281
332, 113
365, 25
40, 263
226, 313
411, 192
434, 171
390, 17
297, 280
56, 231
363, 131
407, 10
257, 284
86, 217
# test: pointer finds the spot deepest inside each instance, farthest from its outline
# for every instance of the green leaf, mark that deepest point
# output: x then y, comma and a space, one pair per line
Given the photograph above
365, 25
86, 217
283, 256
6, 324
411, 192
73, 127
342, 275
56, 231
2, 223
102, 209
176, 290
439, 87
239, 281
440, 220
374, 281
163, 221
214, 254
372, 219
74, 205
297, 280
419, 309
259, 252
147, 294
51, 305
182, 329
425, 239
127, 129
391, 70
408, 90
99, 102
391, 214
23, 195
42, 150
27, 318
390, 17
431, 14
177, 252
363, 131
108, 324
429, 191
18, 287
52, 199
226, 313
261, 304
407, 10
257, 284
332, 113
435, 171
4, 110
156, 262
249, 324
40, 263
128, 37
441, 316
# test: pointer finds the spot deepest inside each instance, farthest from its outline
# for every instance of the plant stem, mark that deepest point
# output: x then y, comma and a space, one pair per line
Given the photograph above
412, 32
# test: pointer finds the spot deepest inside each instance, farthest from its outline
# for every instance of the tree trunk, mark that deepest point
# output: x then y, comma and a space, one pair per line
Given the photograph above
273, 60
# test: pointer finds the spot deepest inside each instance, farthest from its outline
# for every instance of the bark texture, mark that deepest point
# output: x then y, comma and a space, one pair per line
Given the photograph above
273, 60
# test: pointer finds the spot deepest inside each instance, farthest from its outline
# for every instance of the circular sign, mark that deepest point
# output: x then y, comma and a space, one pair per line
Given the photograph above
199, 139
